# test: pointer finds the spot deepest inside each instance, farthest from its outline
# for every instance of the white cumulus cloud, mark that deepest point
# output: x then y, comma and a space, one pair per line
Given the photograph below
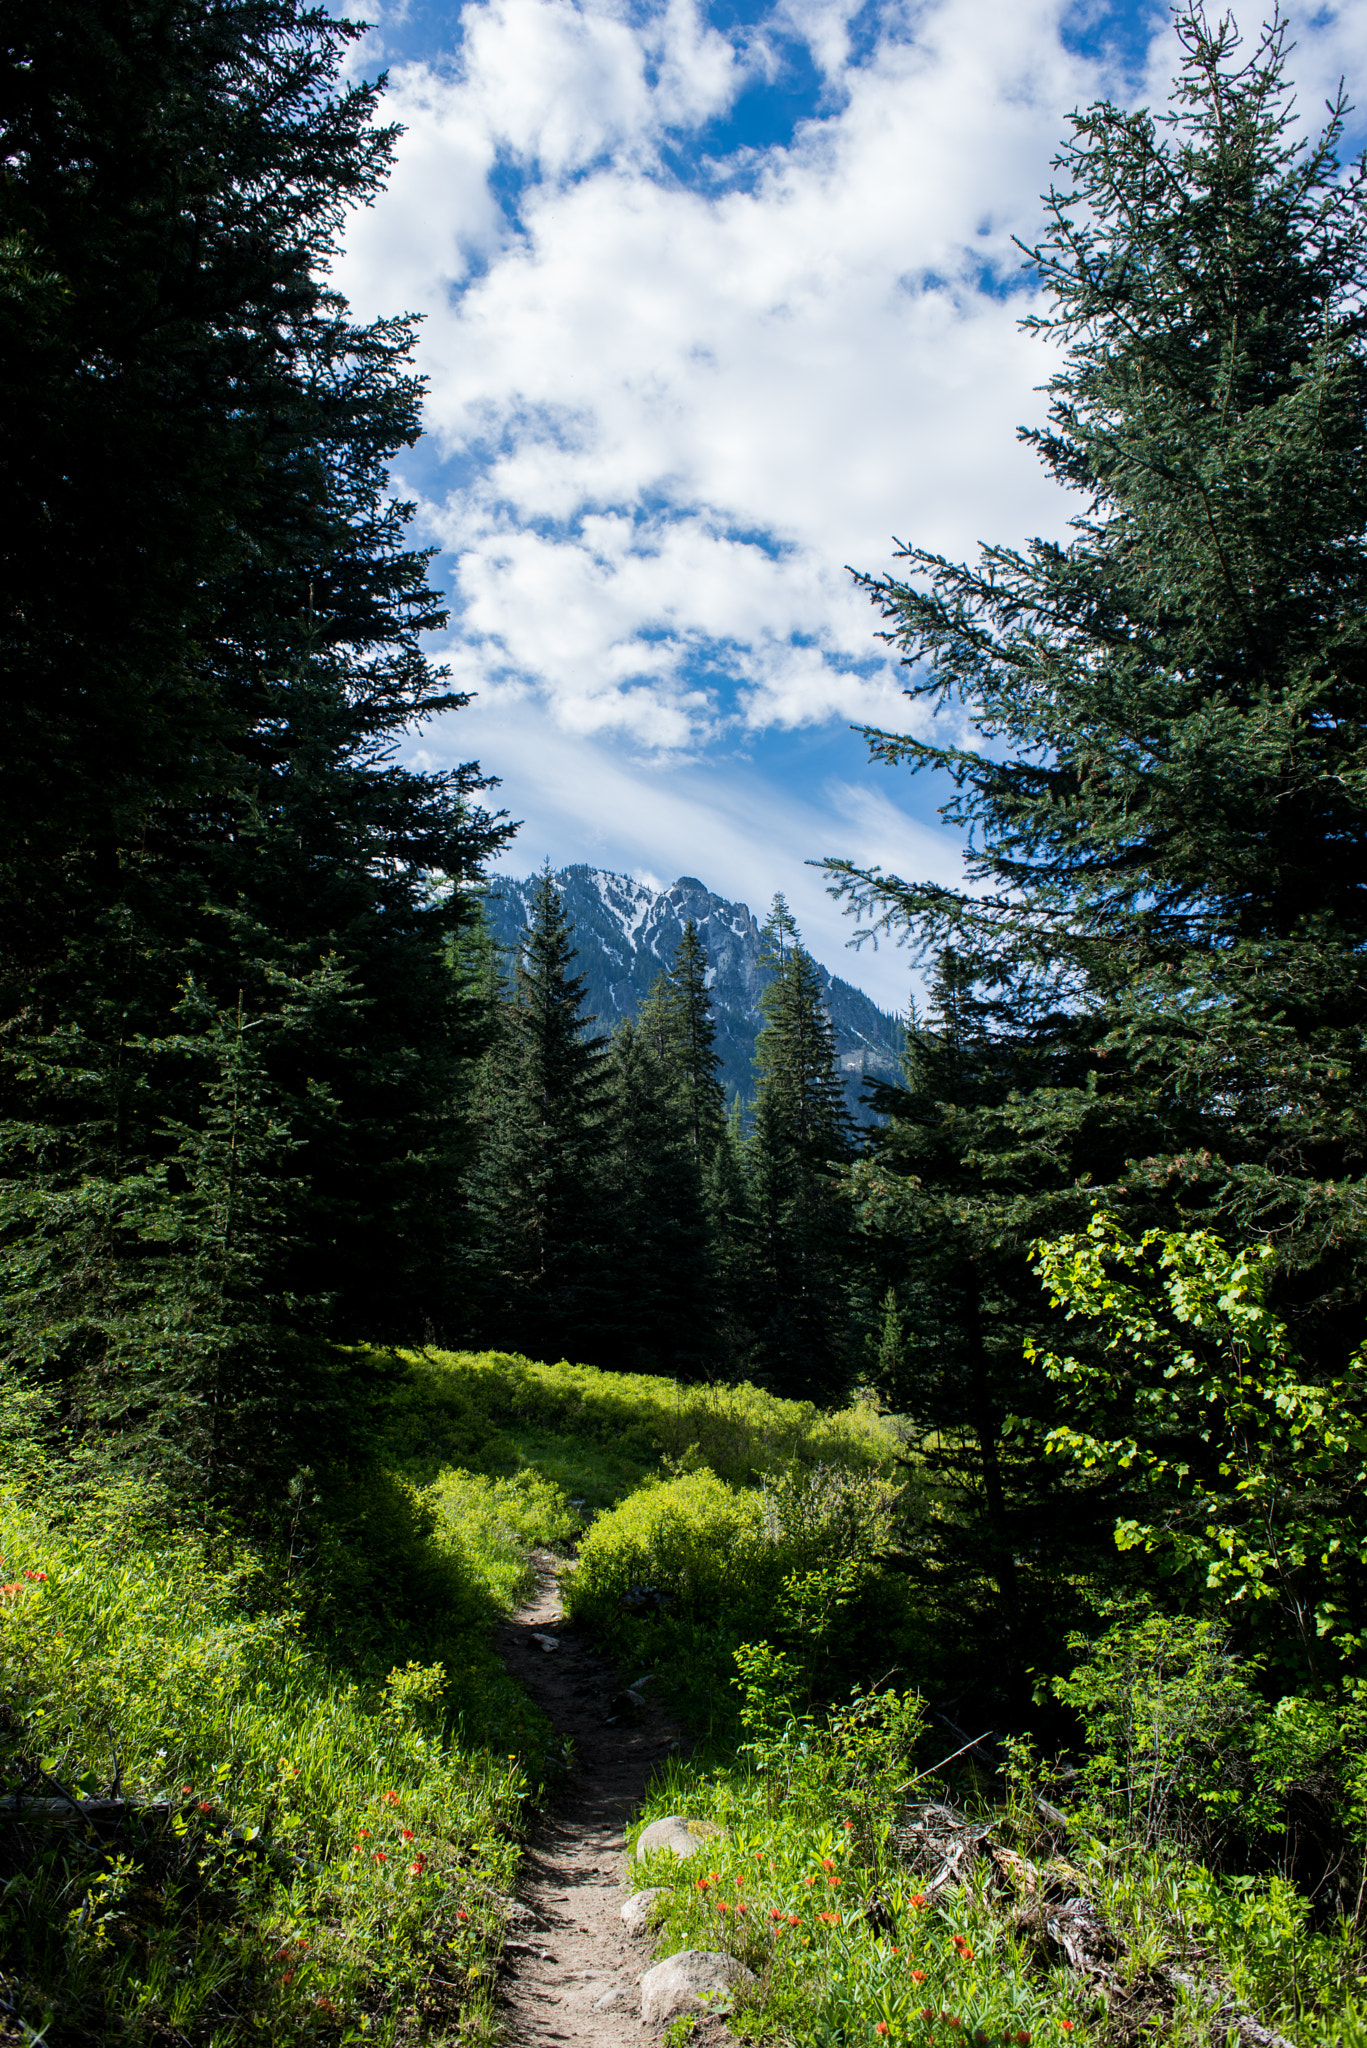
673, 394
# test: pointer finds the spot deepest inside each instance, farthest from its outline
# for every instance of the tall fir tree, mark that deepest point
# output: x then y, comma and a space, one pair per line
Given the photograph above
1166, 796
538, 1189
800, 1137
955, 1186
734, 1240
212, 636
659, 1272
693, 1033
1168, 824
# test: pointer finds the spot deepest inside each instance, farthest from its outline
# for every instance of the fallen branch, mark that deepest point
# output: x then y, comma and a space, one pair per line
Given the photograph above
69, 1812
25, 1809
1072, 1926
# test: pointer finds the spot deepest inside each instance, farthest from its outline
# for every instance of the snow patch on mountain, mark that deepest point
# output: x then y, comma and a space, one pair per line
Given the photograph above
626, 931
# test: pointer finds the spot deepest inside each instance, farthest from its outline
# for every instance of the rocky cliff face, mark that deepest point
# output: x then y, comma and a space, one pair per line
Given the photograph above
626, 934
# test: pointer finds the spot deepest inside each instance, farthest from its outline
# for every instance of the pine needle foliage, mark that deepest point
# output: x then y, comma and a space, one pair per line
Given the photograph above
1166, 810
799, 1139
230, 1046
537, 1188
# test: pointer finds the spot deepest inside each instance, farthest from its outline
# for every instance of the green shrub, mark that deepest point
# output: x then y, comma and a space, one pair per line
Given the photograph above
698, 1541
1187, 1754
797, 1558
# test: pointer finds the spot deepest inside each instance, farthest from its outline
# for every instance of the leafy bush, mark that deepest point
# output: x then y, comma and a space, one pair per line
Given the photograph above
798, 1558
1169, 1717
694, 1539
1245, 1467
1187, 1756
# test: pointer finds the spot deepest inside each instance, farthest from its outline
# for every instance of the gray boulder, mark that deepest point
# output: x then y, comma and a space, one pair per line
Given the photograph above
639, 1908
685, 1837
694, 1979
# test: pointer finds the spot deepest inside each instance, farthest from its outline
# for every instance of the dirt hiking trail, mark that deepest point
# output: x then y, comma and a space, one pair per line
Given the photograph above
571, 1967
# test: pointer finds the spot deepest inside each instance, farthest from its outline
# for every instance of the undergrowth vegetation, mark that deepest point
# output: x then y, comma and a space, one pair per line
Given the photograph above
688, 1567
598, 1434
308, 1763
297, 1850
826, 1877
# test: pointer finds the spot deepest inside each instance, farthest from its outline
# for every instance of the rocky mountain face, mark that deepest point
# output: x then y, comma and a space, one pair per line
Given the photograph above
626, 934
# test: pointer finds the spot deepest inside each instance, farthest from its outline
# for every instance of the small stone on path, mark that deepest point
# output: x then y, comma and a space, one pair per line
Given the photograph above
675, 1831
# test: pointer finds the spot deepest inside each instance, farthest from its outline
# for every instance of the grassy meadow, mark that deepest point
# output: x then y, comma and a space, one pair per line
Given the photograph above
328, 1770
325, 1764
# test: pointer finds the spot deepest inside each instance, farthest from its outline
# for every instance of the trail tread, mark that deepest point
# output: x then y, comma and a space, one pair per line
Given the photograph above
574, 1867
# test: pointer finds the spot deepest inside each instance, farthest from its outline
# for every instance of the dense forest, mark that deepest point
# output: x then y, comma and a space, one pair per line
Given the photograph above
344, 1260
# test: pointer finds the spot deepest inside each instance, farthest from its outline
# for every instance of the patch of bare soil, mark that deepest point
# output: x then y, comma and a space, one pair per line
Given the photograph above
572, 1970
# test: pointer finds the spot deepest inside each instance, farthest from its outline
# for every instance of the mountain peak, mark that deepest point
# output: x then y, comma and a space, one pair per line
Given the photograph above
626, 932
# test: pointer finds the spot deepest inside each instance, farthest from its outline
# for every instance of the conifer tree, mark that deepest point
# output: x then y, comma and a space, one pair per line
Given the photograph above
212, 635
693, 1033
538, 1189
799, 1139
659, 1270
1166, 798
734, 1245
951, 1194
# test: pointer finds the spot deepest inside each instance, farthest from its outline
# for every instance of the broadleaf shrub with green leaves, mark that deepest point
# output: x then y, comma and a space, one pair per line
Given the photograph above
687, 1568
1246, 1472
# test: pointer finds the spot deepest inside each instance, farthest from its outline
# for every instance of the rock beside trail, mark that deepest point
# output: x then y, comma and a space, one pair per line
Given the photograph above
636, 1913
675, 1831
696, 1977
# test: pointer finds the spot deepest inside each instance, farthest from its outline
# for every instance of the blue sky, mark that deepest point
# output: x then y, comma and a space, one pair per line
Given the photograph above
717, 300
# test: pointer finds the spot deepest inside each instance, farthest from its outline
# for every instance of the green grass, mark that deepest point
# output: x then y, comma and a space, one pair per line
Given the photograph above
599, 1435
810, 1846
328, 1759
809, 1885
330, 1766
326, 1865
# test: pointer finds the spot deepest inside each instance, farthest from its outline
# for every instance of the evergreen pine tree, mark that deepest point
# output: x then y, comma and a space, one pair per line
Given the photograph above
734, 1245
799, 1139
693, 1033
1166, 798
951, 1194
659, 1277
212, 636
537, 1190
